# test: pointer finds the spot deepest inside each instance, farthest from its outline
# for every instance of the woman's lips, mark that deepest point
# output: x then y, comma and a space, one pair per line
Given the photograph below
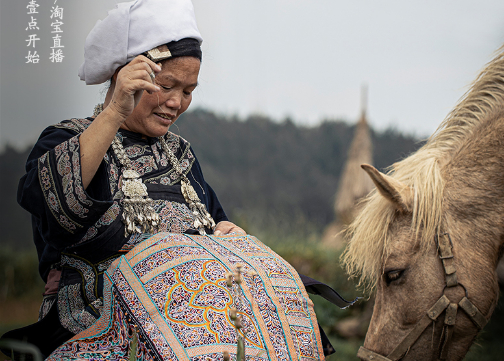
168, 120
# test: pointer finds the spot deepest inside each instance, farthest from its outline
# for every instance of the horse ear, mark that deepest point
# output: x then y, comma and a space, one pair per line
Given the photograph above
398, 193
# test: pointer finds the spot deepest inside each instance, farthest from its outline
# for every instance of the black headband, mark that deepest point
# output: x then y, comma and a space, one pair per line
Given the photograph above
174, 49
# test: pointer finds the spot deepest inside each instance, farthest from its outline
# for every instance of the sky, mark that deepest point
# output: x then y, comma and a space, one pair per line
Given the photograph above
306, 60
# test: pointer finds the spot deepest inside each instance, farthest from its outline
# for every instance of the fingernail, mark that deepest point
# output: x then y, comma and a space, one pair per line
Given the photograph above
158, 66
217, 233
158, 88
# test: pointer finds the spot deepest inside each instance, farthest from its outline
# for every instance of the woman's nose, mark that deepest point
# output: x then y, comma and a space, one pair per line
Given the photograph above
174, 101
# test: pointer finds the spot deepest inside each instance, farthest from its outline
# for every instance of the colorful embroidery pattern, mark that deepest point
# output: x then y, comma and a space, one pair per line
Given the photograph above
171, 177
68, 166
75, 125
49, 188
107, 219
79, 301
62, 165
64, 161
113, 347
171, 289
175, 217
71, 309
199, 300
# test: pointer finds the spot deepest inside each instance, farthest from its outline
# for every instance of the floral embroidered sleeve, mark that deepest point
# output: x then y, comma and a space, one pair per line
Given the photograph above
52, 189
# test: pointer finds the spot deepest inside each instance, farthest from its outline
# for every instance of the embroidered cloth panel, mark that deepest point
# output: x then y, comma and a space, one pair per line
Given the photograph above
170, 290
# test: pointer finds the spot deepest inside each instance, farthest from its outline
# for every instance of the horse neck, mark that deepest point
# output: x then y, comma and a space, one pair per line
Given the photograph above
474, 183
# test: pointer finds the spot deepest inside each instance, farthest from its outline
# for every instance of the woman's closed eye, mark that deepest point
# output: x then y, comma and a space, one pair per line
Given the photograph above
189, 89
165, 87
168, 88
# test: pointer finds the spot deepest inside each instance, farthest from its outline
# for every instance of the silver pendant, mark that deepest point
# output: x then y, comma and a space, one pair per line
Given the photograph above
202, 218
138, 214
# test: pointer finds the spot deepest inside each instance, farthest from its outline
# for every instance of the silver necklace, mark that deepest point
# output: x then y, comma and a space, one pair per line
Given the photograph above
202, 218
139, 215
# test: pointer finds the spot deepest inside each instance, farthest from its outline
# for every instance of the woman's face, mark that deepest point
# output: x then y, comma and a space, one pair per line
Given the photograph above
155, 112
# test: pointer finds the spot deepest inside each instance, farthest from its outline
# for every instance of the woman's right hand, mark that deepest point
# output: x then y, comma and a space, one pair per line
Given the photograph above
127, 87
130, 82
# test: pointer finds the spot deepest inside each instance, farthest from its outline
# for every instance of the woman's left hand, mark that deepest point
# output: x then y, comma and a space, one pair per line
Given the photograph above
225, 227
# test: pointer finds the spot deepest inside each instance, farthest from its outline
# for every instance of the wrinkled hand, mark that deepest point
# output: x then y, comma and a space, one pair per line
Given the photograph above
130, 83
225, 227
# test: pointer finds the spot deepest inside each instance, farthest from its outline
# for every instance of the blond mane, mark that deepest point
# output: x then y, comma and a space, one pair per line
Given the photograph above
367, 235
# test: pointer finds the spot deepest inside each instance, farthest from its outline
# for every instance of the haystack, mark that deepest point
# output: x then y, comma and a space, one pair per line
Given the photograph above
354, 182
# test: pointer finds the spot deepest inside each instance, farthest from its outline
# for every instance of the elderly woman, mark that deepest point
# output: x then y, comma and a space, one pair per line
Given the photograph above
102, 186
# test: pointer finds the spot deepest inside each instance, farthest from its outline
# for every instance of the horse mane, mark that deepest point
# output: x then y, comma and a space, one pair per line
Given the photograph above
367, 234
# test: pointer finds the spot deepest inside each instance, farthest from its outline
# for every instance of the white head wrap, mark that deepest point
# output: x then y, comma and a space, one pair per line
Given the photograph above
132, 29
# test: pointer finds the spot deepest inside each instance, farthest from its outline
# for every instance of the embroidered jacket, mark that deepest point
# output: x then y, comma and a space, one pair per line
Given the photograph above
81, 231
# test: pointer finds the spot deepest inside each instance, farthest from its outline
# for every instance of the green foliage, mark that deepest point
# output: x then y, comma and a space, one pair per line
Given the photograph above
19, 276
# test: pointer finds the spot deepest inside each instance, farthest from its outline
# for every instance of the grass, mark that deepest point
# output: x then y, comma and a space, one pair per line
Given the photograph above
20, 288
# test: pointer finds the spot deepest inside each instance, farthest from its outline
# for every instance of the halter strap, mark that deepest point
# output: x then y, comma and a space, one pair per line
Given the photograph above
431, 315
445, 246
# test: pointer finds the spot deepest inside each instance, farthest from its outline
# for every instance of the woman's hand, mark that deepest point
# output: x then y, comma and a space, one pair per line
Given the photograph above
225, 227
130, 82
126, 90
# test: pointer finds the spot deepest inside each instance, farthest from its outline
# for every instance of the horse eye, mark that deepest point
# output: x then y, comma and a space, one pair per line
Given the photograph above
393, 275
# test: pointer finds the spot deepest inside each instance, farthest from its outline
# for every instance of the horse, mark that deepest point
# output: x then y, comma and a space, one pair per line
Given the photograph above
430, 235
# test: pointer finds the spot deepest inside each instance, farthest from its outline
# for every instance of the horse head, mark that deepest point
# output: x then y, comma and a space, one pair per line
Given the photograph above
429, 237
420, 288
